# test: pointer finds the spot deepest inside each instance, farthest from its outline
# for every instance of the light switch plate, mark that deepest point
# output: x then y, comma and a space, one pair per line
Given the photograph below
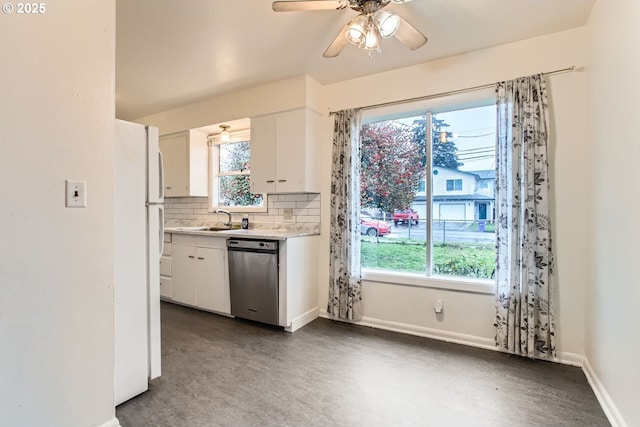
287, 214
76, 194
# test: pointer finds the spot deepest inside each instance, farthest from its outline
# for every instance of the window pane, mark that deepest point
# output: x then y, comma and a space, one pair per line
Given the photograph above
234, 191
392, 181
234, 157
463, 233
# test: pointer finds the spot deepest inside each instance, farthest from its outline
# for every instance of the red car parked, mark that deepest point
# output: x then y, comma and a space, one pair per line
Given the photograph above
373, 227
405, 216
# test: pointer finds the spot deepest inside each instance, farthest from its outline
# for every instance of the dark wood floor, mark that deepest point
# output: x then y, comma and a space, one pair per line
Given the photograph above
219, 371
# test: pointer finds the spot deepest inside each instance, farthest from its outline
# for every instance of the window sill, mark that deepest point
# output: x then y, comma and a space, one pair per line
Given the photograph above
478, 286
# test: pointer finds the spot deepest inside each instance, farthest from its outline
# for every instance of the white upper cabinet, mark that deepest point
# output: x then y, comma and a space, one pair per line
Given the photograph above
185, 164
284, 152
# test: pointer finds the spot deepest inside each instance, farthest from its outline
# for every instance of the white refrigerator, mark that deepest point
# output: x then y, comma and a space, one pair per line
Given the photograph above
139, 221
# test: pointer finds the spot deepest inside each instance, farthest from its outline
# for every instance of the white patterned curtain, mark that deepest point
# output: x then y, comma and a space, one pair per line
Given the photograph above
524, 315
345, 284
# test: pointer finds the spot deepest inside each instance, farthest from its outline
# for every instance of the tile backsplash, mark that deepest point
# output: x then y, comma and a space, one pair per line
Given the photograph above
305, 208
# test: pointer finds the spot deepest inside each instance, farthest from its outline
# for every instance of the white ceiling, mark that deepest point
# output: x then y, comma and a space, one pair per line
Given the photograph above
171, 53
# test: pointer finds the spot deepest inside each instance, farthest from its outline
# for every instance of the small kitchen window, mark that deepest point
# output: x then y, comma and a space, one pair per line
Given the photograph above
230, 175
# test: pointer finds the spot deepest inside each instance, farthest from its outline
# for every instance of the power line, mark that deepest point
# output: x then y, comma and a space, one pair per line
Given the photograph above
477, 158
473, 136
465, 150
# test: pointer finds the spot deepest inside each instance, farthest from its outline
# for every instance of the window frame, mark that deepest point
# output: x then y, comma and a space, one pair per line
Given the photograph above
214, 144
468, 99
453, 182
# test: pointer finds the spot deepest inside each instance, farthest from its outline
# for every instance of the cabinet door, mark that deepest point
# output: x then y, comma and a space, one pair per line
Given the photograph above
165, 266
213, 291
290, 152
183, 278
263, 154
165, 287
175, 150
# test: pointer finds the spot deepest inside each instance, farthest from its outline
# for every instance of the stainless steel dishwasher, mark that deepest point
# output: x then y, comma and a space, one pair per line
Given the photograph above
253, 279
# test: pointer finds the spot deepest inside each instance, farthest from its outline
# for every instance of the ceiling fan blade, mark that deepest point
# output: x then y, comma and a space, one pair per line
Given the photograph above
293, 6
409, 35
337, 44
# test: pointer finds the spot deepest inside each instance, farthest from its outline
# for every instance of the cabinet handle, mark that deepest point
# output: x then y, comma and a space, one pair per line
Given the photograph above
282, 180
191, 256
200, 257
169, 188
270, 181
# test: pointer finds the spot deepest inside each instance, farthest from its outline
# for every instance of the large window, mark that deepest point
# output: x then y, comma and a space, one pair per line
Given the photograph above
427, 181
231, 175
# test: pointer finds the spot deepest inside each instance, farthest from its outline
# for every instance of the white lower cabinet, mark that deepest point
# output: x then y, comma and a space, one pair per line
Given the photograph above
165, 287
165, 268
199, 276
199, 272
299, 272
212, 293
183, 281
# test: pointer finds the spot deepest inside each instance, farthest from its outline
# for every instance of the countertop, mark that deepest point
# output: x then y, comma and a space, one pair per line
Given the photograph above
252, 233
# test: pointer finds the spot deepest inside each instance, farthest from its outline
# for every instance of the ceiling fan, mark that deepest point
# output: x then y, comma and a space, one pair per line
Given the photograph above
366, 29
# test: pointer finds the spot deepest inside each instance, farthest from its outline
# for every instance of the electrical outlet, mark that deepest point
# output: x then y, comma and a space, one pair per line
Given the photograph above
287, 214
76, 192
438, 306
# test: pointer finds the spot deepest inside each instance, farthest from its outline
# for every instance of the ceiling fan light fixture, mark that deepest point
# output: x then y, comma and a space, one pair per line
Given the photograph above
356, 31
224, 135
372, 37
387, 23
365, 30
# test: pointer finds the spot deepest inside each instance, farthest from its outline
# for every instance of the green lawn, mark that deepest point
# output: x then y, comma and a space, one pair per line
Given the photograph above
489, 227
410, 256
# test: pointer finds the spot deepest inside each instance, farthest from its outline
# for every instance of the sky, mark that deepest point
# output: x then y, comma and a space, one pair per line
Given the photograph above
474, 132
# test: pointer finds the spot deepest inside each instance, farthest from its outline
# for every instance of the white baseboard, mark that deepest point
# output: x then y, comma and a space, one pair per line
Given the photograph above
609, 408
111, 423
572, 359
302, 320
423, 331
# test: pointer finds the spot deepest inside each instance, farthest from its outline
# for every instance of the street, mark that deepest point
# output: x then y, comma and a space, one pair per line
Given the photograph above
441, 235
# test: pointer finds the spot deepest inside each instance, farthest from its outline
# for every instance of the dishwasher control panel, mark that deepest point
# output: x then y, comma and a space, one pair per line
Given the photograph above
252, 244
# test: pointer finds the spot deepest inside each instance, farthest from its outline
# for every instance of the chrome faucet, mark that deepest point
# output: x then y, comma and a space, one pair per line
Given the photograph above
228, 223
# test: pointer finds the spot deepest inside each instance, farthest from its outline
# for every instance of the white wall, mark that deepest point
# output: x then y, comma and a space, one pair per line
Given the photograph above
287, 94
470, 316
56, 264
613, 343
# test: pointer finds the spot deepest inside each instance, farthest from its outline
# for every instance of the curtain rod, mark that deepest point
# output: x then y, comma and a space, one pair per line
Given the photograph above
455, 92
